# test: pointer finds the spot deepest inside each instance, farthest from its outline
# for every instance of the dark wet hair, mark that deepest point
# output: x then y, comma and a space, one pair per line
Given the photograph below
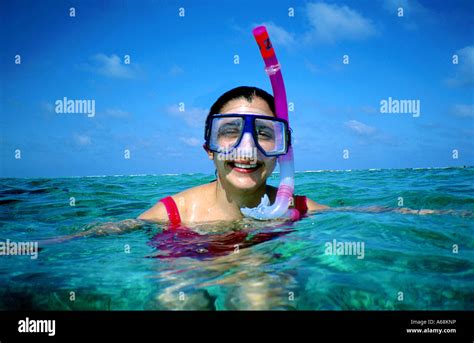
248, 93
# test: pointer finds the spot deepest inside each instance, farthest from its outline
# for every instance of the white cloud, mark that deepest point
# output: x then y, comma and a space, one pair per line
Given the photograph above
192, 116
112, 66
279, 36
82, 139
464, 69
415, 15
328, 23
191, 141
331, 23
410, 8
461, 110
360, 128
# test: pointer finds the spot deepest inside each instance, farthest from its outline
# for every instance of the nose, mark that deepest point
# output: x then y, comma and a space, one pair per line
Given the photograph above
247, 142
247, 148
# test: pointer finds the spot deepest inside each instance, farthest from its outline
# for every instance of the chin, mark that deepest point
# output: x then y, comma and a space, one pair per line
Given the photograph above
245, 181
247, 185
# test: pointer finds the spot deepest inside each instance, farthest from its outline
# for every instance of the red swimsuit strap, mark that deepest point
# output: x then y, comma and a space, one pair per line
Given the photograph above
300, 204
173, 213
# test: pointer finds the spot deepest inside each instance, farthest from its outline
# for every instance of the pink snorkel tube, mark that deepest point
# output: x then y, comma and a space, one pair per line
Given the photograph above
265, 211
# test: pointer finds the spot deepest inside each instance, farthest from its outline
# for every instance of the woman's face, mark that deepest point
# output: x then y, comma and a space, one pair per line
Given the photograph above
228, 170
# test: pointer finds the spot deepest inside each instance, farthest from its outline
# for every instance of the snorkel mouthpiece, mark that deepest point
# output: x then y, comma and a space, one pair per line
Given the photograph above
265, 211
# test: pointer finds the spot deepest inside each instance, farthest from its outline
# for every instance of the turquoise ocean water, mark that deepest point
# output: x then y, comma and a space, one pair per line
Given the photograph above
409, 263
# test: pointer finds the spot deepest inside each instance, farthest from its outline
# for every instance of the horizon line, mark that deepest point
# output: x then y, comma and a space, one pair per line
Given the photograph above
197, 173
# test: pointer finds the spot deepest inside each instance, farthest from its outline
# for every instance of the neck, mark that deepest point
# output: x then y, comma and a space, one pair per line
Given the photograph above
232, 199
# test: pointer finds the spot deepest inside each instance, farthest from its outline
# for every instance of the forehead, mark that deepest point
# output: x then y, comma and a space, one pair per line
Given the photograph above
242, 106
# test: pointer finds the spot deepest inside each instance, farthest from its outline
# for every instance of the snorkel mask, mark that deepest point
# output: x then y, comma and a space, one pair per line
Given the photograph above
224, 133
284, 197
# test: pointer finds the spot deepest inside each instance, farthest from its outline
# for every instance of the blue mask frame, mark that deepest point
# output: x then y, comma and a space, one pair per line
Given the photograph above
249, 127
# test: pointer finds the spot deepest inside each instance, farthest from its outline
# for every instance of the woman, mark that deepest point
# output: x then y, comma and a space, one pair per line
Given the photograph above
242, 180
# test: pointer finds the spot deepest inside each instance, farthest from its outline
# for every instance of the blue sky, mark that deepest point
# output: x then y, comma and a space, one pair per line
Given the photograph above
190, 60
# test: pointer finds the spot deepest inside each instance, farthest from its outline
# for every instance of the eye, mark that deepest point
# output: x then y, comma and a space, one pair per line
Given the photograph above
265, 132
229, 129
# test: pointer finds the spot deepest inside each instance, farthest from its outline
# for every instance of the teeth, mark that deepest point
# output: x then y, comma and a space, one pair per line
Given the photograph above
245, 166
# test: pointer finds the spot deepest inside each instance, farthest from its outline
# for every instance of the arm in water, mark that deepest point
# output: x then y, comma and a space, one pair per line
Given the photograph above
381, 209
103, 229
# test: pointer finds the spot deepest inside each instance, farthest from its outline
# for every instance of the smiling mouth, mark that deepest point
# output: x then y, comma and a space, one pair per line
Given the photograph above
244, 167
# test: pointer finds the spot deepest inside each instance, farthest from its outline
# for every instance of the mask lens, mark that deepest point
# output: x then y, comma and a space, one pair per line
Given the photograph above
225, 132
271, 135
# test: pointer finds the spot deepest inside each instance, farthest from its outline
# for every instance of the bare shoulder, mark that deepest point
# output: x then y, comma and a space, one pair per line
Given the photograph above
314, 206
193, 195
157, 213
